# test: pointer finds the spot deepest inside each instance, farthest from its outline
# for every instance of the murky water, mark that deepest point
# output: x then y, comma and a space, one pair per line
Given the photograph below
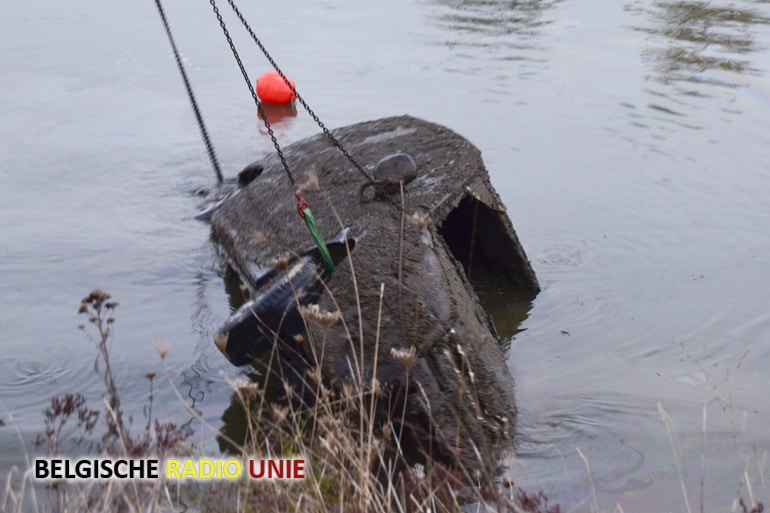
629, 140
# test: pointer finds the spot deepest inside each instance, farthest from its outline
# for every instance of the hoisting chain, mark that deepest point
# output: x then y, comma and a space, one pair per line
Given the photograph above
303, 207
313, 115
293, 89
196, 110
253, 94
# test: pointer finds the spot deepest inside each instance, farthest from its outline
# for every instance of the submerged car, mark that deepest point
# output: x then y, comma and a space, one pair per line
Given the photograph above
400, 304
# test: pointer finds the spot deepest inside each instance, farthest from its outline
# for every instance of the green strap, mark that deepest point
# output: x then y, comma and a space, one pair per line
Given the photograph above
326, 257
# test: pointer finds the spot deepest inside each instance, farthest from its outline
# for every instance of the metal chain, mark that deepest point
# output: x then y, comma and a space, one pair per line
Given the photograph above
254, 95
196, 110
326, 131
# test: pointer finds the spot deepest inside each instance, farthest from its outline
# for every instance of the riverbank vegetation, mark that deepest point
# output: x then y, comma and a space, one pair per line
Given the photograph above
351, 465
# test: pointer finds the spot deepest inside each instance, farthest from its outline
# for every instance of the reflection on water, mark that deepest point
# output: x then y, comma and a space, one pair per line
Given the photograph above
504, 31
278, 112
508, 306
700, 58
493, 17
695, 43
607, 429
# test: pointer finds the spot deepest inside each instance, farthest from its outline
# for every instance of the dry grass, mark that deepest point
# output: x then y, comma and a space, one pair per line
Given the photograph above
722, 396
352, 464
739, 505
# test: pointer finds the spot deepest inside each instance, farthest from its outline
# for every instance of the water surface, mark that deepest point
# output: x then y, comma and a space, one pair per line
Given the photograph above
628, 140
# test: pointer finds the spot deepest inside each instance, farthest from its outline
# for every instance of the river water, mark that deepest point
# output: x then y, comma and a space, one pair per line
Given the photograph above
629, 140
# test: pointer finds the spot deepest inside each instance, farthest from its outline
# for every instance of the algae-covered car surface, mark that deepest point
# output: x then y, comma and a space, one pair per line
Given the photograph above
457, 385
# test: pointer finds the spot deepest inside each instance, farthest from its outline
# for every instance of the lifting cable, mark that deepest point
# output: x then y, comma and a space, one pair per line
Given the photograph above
191, 95
288, 83
293, 89
303, 207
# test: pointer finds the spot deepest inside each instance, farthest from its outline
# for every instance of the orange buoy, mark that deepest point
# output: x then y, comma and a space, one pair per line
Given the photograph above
271, 88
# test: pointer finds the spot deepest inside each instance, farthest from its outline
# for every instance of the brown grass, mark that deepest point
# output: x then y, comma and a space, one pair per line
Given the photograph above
352, 464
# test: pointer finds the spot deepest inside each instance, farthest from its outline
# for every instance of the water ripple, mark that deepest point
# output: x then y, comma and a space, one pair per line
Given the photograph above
493, 35
38, 377
604, 427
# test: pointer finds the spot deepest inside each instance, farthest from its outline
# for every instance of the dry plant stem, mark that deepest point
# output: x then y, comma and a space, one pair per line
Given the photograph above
360, 314
94, 305
268, 371
375, 384
124, 442
748, 484
355, 283
725, 398
473, 238
738, 365
150, 377
703, 459
360, 357
401, 319
760, 467
674, 440
14, 471
459, 403
594, 503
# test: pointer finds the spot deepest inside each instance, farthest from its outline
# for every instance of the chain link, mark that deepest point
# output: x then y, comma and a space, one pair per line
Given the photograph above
191, 95
313, 115
253, 94
301, 100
